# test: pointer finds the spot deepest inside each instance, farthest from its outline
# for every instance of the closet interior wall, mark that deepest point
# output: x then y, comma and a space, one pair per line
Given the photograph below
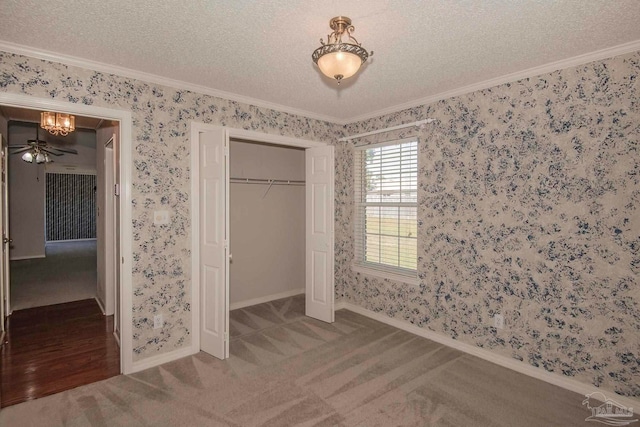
266, 223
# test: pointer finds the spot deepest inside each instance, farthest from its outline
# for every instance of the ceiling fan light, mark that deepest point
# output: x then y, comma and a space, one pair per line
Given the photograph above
40, 158
27, 157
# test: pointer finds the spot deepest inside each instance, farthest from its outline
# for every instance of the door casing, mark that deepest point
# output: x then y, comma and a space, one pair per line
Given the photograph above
4, 249
241, 134
127, 364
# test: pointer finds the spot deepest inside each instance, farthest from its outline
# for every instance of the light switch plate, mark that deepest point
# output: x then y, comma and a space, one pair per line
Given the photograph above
161, 217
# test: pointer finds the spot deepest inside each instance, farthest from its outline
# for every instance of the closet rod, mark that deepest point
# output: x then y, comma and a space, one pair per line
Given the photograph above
266, 181
373, 132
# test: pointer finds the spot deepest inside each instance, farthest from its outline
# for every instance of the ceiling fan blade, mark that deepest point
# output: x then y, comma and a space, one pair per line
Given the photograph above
47, 150
20, 150
64, 150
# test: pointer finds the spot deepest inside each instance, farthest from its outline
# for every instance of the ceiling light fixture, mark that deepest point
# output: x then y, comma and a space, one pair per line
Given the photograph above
39, 150
37, 155
337, 59
57, 123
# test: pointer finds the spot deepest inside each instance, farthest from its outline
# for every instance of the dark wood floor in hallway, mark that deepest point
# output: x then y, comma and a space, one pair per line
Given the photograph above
55, 348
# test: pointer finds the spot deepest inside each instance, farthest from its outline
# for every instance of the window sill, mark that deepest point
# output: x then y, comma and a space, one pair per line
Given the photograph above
409, 280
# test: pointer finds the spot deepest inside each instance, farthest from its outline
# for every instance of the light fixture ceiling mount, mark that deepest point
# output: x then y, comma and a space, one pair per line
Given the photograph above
57, 123
338, 59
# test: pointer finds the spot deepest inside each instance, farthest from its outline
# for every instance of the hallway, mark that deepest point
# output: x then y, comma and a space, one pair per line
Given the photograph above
68, 273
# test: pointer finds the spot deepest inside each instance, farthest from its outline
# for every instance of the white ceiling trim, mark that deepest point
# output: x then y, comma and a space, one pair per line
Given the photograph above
181, 85
597, 55
153, 78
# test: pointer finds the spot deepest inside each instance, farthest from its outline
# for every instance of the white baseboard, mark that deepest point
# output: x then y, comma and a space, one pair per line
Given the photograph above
504, 361
153, 361
22, 258
254, 301
104, 312
160, 359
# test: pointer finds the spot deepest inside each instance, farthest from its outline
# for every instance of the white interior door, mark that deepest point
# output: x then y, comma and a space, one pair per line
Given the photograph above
319, 285
214, 300
4, 245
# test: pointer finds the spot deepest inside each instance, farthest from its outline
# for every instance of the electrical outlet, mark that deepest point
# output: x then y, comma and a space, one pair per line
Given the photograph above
498, 321
158, 322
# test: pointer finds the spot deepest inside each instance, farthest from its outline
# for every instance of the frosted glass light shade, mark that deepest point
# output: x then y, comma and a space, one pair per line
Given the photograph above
40, 158
27, 157
343, 64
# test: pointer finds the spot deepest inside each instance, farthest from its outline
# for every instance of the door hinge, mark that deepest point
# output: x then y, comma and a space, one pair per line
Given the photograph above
226, 336
226, 150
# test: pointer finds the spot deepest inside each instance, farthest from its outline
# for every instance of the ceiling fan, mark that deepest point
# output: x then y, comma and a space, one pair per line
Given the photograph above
40, 150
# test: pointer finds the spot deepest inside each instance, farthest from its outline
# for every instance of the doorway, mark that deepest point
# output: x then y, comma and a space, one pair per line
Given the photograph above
210, 223
125, 234
123, 172
52, 212
54, 216
62, 213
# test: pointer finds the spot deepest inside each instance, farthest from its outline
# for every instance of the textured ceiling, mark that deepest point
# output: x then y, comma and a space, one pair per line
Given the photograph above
263, 49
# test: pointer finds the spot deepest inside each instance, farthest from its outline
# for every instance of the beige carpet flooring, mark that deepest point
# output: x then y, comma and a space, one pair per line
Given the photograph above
289, 370
67, 273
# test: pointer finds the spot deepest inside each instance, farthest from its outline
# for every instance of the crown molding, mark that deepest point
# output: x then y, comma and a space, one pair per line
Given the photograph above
601, 54
574, 61
153, 78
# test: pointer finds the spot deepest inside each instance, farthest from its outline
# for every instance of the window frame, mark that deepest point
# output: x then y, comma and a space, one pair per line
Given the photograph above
360, 265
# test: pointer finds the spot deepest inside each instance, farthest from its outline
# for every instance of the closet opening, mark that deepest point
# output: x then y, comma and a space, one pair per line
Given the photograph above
267, 237
213, 246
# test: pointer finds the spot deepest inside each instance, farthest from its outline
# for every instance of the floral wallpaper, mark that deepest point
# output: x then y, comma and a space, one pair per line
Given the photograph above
529, 206
161, 117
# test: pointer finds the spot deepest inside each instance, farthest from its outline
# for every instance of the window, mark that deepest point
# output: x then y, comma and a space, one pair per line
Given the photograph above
386, 190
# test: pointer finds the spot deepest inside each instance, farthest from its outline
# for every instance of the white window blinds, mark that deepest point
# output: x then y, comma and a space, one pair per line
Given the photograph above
386, 190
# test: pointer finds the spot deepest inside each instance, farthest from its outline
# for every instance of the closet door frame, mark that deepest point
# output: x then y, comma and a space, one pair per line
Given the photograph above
230, 133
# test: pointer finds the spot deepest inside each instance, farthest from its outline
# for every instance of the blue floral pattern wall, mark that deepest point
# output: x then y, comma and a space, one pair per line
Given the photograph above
529, 206
161, 117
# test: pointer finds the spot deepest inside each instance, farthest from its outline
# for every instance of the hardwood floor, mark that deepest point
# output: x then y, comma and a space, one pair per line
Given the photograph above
55, 348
